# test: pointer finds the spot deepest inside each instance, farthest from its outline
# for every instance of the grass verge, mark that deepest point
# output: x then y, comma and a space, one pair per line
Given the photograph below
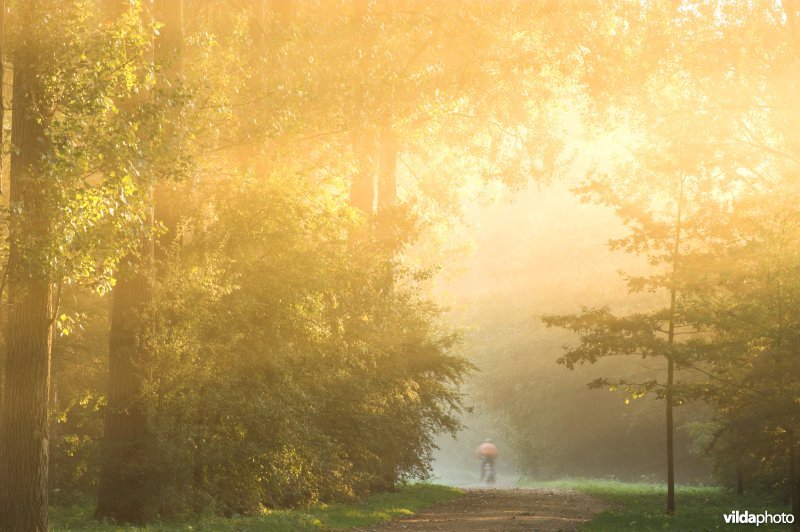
642, 506
369, 511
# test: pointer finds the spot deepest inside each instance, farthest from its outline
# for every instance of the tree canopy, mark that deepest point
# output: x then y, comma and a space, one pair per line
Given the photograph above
247, 185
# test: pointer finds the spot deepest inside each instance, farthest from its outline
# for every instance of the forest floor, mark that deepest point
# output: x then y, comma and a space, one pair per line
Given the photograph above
505, 509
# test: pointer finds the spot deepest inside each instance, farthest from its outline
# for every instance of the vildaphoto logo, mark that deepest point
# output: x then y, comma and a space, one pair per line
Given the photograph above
765, 518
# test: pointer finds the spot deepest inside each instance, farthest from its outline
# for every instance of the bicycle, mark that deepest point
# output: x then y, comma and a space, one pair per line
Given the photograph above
488, 473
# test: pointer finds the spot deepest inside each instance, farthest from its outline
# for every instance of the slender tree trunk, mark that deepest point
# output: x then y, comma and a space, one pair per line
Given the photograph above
168, 58
670, 425
363, 139
671, 362
739, 476
24, 439
362, 187
794, 480
387, 169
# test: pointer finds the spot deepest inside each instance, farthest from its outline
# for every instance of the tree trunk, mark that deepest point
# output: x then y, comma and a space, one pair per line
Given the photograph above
53, 420
362, 138
362, 188
794, 480
24, 439
130, 486
739, 476
128, 479
169, 60
387, 169
671, 361
670, 434
2, 71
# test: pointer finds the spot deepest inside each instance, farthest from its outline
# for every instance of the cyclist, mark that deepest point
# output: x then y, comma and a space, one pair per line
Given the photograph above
487, 452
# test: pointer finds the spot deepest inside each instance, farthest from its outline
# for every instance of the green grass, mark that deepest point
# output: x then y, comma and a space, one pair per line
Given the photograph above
374, 509
642, 506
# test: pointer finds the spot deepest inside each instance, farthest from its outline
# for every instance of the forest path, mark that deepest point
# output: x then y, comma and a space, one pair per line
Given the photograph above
505, 509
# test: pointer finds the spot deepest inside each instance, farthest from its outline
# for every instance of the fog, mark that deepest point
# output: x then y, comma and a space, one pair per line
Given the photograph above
540, 251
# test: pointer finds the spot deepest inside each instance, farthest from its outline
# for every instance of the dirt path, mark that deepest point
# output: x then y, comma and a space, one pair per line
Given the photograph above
505, 509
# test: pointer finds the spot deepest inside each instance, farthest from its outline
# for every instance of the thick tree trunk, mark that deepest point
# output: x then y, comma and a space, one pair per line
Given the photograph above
24, 440
128, 478
130, 486
127, 482
53, 423
2, 69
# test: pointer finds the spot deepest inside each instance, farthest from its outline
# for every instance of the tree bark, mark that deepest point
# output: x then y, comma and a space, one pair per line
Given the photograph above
362, 187
739, 476
127, 486
671, 362
387, 169
670, 428
362, 139
168, 58
794, 480
128, 479
130, 486
2, 71
53, 422
24, 439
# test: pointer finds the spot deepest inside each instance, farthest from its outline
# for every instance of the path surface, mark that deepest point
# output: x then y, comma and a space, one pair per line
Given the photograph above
505, 509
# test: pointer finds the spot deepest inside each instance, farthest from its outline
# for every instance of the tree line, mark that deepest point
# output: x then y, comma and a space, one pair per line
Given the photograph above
209, 296
208, 301
708, 194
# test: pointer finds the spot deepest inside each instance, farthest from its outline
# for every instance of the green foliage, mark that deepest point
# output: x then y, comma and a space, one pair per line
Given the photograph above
91, 170
296, 356
295, 360
77, 395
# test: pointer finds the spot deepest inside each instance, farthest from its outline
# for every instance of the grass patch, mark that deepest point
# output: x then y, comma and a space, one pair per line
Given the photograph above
641, 506
371, 510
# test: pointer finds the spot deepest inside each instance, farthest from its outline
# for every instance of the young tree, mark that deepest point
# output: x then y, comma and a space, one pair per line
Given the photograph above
650, 334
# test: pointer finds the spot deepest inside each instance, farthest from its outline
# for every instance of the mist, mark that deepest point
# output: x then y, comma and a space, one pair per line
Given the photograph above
541, 251
263, 257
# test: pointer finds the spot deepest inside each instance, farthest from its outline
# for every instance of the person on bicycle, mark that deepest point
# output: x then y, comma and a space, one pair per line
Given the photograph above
487, 452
